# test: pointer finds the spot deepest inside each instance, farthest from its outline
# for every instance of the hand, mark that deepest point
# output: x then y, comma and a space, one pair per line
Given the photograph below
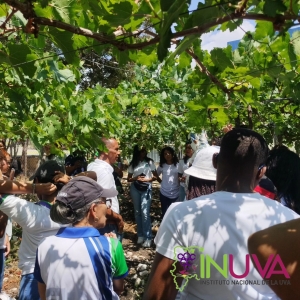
182, 179
7, 245
61, 177
142, 178
227, 128
45, 188
111, 235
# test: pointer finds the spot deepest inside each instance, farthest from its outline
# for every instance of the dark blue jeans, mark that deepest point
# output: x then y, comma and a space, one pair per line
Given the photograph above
2, 265
142, 203
28, 288
165, 203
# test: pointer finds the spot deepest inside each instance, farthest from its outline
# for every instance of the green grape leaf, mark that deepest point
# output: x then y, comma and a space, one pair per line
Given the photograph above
64, 41
165, 4
272, 7
21, 56
263, 29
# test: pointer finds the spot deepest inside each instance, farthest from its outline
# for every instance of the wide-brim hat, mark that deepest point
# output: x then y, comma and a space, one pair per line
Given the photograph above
202, 166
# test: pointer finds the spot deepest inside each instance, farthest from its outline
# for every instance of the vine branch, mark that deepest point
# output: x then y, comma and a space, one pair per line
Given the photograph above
28, 12
3, 25
204, 70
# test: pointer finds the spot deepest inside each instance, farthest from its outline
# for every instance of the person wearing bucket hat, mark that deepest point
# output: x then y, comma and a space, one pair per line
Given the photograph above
202, 179
78, 262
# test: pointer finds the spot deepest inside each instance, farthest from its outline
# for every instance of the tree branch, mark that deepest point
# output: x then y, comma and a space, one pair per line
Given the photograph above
204, 70
25, 8
10, 30
3, 25
28, 12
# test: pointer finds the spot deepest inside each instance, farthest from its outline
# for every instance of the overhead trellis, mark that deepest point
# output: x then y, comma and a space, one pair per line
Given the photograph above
225, 86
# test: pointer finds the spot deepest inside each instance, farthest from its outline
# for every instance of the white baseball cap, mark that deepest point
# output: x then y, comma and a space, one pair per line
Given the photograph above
202, 166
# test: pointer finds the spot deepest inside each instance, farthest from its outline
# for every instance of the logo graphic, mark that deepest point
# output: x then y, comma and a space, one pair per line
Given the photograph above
197, 265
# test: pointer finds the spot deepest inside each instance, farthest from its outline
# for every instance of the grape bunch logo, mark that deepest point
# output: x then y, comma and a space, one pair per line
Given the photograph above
195, 264
186, 260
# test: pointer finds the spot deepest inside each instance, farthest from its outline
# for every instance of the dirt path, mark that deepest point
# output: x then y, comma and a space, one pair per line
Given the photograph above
139, 259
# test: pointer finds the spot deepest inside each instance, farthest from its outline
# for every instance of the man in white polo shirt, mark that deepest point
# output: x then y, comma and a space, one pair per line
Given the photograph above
102, 166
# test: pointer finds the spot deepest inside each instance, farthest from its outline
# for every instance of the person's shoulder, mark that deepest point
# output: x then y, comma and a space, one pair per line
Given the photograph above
13, 199
98, 164
179, 208
150, 161
49, 240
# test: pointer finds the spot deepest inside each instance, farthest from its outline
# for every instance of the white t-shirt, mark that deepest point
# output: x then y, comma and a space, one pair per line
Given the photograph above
36, 225
169, 186
2, 242
220, 223
105, 178
8, 232
143, 167
9, 228
182, 166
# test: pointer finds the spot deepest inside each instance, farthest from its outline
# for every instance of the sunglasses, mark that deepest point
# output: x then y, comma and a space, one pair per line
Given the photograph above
106, 201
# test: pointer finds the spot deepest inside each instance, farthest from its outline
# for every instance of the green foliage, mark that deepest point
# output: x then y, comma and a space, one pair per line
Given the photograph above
53, 89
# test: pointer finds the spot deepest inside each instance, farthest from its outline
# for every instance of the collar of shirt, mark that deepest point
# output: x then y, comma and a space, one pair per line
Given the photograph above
77, 232
44, 203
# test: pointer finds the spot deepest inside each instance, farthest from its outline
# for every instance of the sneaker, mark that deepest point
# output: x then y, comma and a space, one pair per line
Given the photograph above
147, 243
140, 240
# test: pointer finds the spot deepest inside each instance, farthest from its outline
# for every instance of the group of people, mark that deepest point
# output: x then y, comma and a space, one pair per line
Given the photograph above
71, 247
204, 246
179, 180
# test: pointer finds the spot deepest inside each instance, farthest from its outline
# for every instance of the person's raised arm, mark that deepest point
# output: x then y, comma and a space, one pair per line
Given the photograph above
64, 178
282, 240
16, 187
161, 285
